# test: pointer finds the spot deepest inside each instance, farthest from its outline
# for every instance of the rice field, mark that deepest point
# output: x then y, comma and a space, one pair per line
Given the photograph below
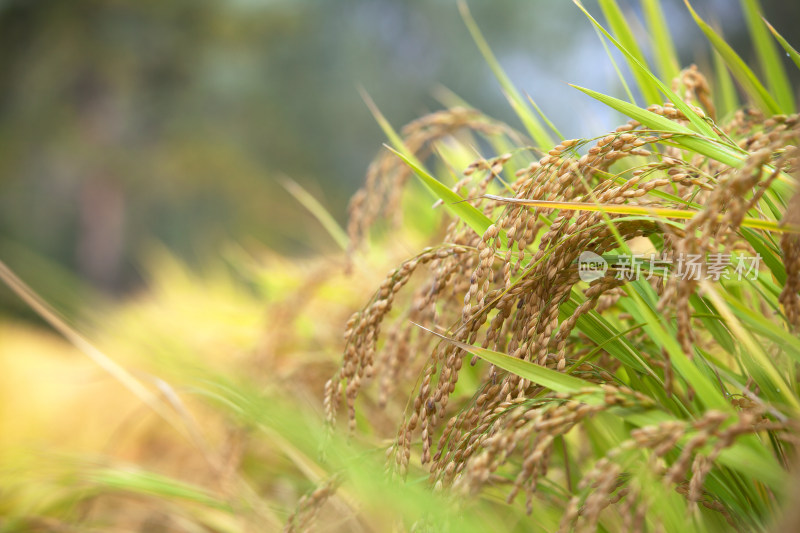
594, 334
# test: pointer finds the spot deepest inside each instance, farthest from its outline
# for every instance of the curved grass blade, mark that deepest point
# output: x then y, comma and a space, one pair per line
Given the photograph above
535, 128
465, 211
552, 379
714, 149
622, 31
757, 362
468, 213
738, 67
137, 481
663, 49
727, 100
545, 119
613, 61
790, 51
314, 207
699, 123
768, 58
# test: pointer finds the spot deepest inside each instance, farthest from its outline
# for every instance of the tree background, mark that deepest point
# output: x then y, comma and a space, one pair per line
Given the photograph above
127, 123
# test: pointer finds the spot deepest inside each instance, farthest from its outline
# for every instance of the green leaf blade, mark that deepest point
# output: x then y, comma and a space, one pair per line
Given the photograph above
622, 31
738, 67
768, 58
454, 203
552, 379
666, 58
698, 123
789, 49
533, 126
689, 139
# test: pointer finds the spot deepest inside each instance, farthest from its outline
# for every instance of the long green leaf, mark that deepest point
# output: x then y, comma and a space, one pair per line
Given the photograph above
743, 456
314, 207
711, 321
388, 130
726, 98
758, 364
552, 379
620, 75
535, 128
148, 483
738, 67
717, 150
545, 119
790, 51
602, 333
454, 203
663, 49
622, 31
768, 57
789, 343
699, 124
771, 259
663, 333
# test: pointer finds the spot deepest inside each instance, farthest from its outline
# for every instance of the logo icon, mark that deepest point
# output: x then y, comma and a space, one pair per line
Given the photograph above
591, 266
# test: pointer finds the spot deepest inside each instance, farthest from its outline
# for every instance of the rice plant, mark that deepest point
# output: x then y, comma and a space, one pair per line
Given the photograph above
657, 391
595, 334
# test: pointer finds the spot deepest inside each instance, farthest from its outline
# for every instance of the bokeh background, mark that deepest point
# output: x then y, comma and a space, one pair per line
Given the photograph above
126, 125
